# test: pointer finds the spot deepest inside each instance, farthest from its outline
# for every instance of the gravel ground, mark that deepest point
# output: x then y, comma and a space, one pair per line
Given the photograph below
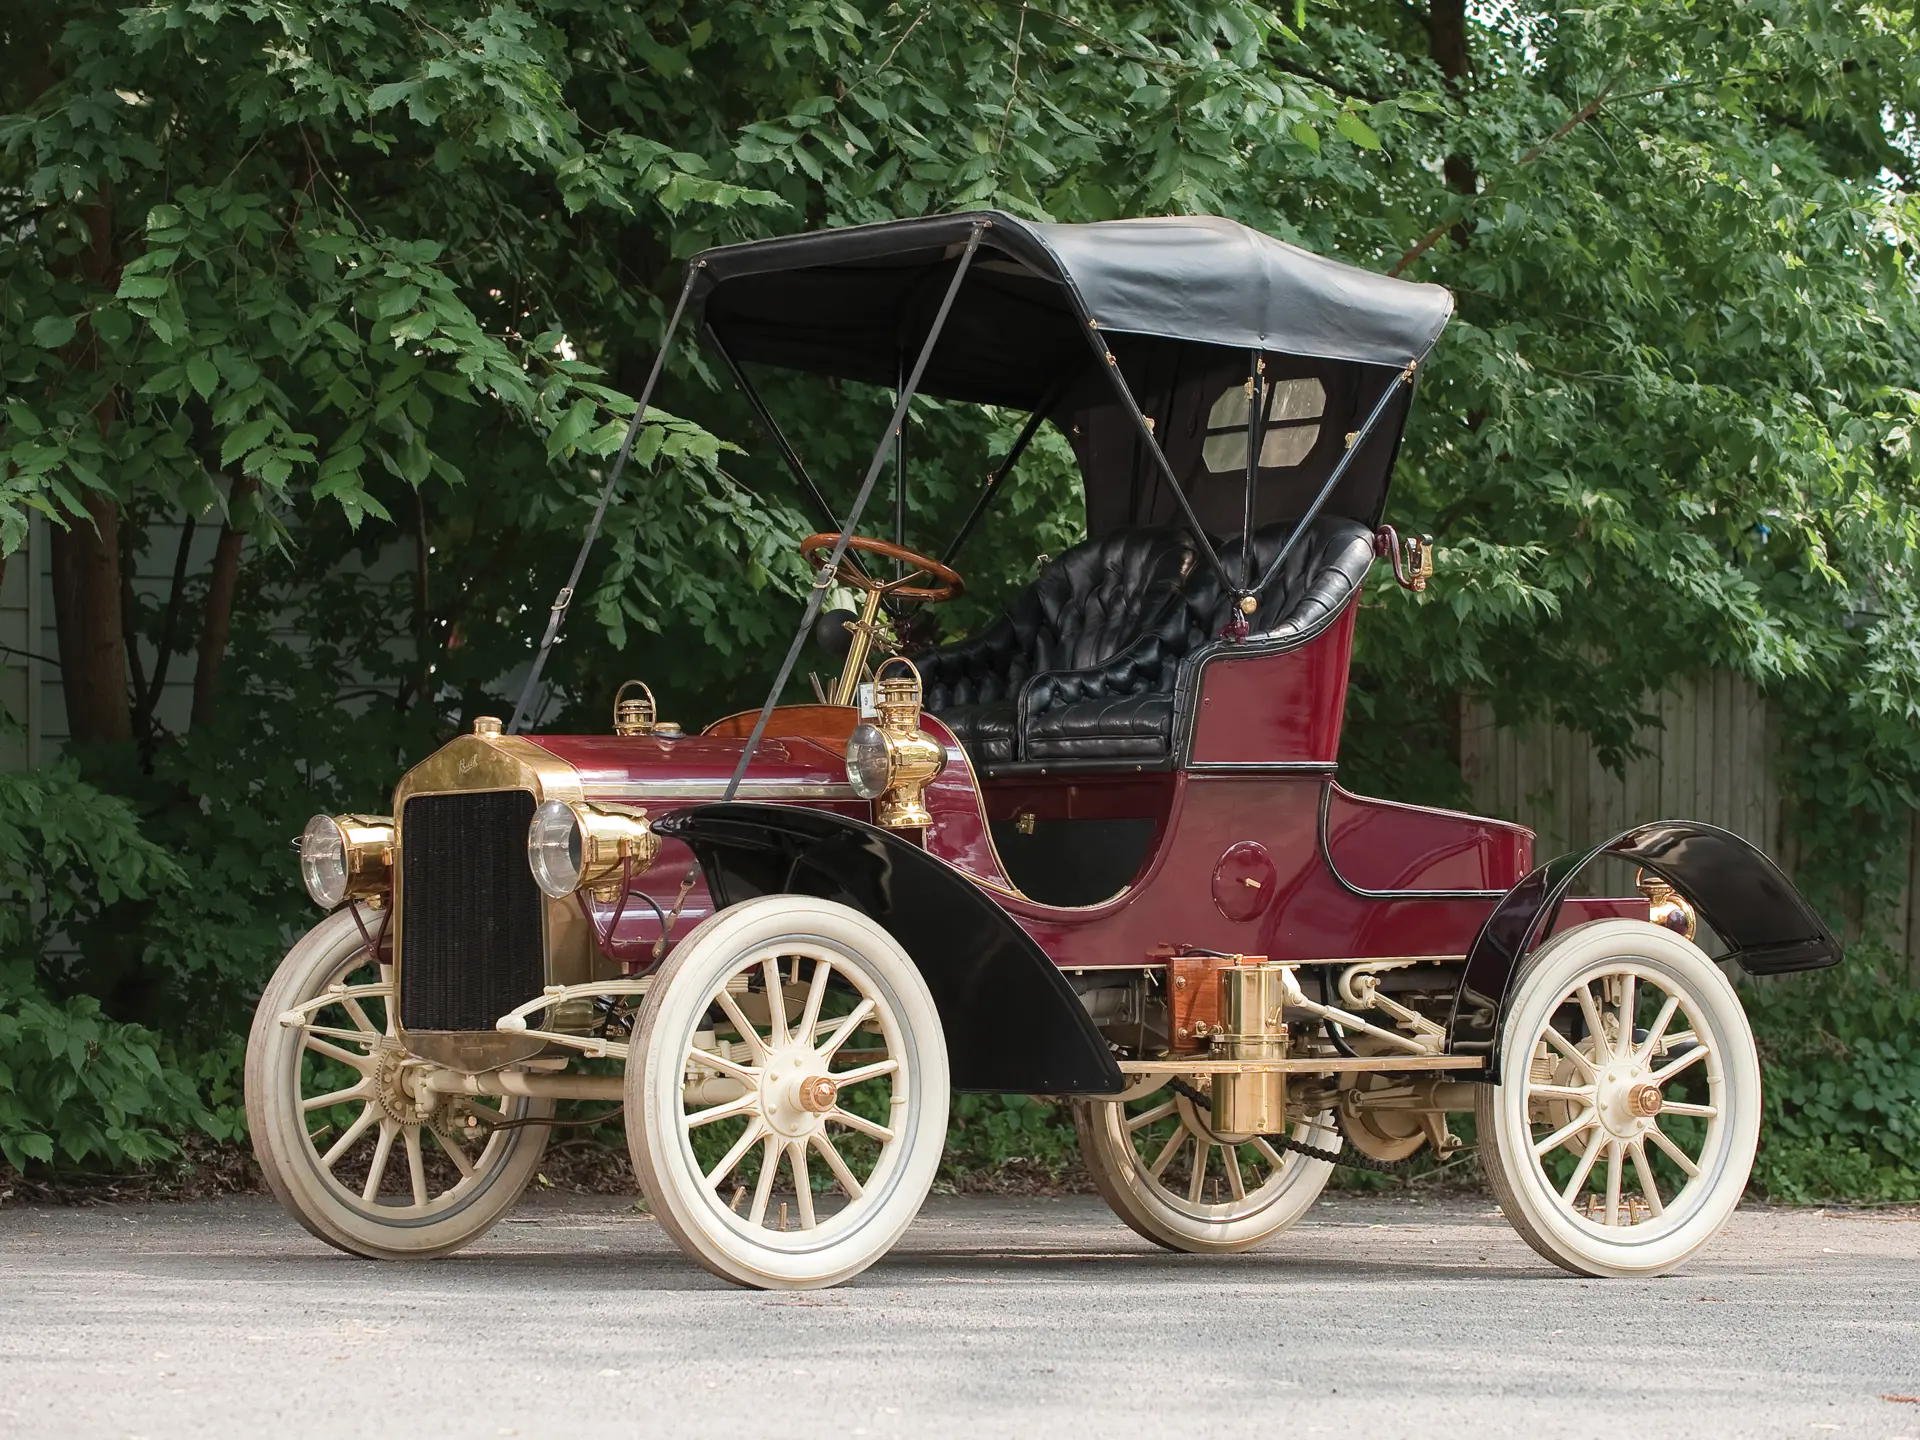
992, 1318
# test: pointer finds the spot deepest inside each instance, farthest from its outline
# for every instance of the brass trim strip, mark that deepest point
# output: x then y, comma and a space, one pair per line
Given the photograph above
1331, 1065
717, 789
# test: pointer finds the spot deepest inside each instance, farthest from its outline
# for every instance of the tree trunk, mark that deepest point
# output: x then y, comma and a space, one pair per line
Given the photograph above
218, 620
86, 610
1447, 40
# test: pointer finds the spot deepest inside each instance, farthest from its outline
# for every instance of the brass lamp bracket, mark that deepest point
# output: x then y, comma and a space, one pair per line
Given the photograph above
1412, 556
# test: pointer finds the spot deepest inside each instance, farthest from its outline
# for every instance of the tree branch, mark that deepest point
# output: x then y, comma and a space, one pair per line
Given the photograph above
1580, 117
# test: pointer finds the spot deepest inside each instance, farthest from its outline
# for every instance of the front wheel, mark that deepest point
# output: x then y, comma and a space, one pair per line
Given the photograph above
1620, 1136
787, 1093
1156, 1161
341, 1137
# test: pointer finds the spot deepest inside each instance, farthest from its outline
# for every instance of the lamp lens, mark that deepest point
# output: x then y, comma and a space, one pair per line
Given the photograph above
323, 861
869, 762
554, 849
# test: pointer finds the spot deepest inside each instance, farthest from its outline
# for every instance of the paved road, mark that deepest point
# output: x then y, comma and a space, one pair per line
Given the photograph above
993, 1318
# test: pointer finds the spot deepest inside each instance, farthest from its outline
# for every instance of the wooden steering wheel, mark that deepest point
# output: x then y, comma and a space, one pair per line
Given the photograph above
815, 547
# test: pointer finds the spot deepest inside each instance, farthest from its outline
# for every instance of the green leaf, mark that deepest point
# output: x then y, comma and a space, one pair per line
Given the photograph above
1357, 130
203, 375
50, 332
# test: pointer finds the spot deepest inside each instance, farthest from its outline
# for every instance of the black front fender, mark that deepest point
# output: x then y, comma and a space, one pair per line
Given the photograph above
1012, 1022
1737, 890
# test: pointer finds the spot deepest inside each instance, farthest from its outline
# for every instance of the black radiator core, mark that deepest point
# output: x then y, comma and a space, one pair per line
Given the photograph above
470, 937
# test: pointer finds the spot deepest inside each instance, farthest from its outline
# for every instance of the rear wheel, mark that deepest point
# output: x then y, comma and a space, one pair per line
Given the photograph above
1156, 1160
337, 1130
1620, 1136
787, 1093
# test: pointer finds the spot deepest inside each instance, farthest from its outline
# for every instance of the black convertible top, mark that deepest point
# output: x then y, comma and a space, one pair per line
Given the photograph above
850, 302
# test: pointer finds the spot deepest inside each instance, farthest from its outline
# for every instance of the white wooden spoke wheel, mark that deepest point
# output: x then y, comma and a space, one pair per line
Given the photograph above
363, 1158
1156, 1160
787, 1093
1619, 1138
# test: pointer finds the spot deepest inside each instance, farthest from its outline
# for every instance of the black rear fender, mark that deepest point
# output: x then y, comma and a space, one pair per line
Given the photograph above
1012, 1022
1737, 890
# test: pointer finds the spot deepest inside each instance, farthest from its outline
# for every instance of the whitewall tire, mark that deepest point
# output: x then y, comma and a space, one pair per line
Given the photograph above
1622, 1131
1156, 1161
340, 1138
786, 1093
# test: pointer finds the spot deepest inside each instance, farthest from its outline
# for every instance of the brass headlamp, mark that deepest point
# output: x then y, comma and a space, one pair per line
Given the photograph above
347, 856
893, 760
573, 846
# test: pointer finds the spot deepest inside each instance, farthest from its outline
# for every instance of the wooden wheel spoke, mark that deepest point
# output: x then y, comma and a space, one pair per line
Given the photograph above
1173, 1147
731, 1009
730, 1161
777, 1034
1572, 1052
727, 1110
843, 1027
866, 1127
762, 1192
816, 997
1629, 997
369, 1113
1147, 1117
1585, 1167
1236, 1182
416, 1167
1687, 1107
352, 1007
377, 1171
802, 1182
859, 1073
837, 1165
1265, 1147
1673, 1152
1197, 1182
454, 1151
356, 1091
1567, 1131
1649, 1191
747, 1074
359, 1061
1596, 1026
1672, 1068
1657, 1030
1615, 1154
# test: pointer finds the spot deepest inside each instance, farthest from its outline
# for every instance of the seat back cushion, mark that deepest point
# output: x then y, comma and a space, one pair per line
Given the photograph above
1085, 607
1322, 571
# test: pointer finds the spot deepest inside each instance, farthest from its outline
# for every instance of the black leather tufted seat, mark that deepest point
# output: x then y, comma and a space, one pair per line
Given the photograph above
1085, 664
1089, 605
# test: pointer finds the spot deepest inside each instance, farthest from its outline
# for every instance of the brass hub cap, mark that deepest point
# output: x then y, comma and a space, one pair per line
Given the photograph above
794, 1095
1626, 1100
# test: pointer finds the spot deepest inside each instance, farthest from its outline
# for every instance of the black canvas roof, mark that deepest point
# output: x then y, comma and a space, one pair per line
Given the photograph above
850, 302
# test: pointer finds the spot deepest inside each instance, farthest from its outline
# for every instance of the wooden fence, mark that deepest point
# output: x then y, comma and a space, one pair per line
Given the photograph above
1711, 759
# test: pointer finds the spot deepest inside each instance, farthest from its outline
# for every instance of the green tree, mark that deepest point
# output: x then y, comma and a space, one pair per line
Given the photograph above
371, 288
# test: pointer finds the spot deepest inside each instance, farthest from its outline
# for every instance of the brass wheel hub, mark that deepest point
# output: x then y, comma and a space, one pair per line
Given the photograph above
1626, 1099
794, 1095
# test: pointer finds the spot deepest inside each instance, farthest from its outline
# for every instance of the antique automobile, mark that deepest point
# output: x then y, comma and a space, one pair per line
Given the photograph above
1096, 850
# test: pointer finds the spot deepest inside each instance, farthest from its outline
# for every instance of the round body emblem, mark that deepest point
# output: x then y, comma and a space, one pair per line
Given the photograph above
1244, 881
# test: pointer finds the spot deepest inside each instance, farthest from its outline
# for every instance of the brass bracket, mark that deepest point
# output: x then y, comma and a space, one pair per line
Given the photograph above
1412, 556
